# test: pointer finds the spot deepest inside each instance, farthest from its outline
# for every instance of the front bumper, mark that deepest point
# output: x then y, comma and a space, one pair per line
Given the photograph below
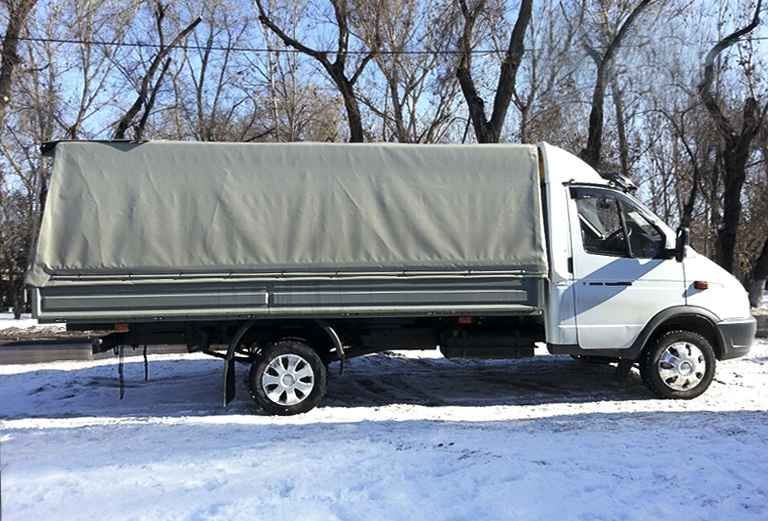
737, 337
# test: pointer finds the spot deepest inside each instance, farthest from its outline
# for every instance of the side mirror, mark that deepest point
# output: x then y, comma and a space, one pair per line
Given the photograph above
682, 240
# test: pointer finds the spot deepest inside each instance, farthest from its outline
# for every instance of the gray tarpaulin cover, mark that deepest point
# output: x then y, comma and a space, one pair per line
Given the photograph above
181, 207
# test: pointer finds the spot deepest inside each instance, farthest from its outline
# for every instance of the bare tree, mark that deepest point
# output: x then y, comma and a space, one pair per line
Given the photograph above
148, 91
299, 107
36, 99
336, 69
488, 130
403, 70
210, 88
543, 76
737, 143
681, 134
14, 244
592, 152
415, 94
95, 64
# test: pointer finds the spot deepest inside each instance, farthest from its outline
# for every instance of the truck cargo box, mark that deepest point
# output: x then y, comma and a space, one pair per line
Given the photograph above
178, 229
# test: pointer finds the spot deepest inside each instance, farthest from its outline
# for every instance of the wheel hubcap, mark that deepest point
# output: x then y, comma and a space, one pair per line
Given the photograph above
682, 366
288, 379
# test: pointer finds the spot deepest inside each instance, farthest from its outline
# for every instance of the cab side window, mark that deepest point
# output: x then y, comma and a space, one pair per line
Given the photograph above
602, 222
645, 240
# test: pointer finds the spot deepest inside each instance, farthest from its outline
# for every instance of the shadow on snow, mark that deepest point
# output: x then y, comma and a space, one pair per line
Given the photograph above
194, 387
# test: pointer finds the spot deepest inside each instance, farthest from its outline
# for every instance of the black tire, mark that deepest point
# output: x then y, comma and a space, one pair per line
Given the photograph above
261, 365
650, 368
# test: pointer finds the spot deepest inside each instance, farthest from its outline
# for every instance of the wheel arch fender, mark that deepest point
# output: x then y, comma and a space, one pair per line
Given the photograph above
689, 318
317, 332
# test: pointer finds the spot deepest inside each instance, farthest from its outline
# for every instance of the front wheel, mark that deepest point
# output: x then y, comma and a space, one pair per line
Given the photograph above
680, 364
287, 378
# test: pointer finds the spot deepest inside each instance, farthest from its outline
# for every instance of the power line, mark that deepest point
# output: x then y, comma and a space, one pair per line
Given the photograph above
288, 50
283, 50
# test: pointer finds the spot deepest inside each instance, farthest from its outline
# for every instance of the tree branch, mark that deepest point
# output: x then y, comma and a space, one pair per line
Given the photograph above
335, 70
151, 102
128, 117
287, 40
705, 87
591, 154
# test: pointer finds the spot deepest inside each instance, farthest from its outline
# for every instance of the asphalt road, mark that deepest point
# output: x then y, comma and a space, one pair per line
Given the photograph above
35, 351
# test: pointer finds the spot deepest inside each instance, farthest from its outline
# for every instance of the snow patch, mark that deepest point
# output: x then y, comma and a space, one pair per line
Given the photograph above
8, 321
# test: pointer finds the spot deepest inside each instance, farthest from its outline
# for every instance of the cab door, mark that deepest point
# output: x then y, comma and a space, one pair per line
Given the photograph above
622, 274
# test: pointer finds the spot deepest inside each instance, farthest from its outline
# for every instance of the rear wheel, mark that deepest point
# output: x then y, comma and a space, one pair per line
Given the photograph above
680, 364
287, 378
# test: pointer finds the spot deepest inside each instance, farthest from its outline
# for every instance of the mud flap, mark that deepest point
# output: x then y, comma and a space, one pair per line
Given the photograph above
230, 382
333, 336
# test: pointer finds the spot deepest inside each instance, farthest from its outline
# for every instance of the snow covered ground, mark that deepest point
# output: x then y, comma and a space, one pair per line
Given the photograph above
7, 321
399, 436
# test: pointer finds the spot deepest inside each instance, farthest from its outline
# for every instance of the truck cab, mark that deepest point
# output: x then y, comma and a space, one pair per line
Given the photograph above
620, 277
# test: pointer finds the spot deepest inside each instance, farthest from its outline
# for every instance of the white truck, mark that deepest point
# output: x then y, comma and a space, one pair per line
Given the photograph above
287, 257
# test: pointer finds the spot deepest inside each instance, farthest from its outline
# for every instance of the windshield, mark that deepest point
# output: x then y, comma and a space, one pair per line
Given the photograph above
648, 213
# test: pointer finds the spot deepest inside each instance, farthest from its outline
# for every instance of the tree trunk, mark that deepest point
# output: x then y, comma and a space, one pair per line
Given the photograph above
618, 102
355, 120
489, 130
9, 60
715, 206
592, 152
735, 173
475, 107
347, 91
758, 277
18, 295
525, 112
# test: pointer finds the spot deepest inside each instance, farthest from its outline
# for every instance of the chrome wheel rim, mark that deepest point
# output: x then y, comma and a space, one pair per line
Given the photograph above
288, 379
682, 366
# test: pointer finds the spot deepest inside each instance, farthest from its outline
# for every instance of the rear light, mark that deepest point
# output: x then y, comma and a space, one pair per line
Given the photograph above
701, 284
